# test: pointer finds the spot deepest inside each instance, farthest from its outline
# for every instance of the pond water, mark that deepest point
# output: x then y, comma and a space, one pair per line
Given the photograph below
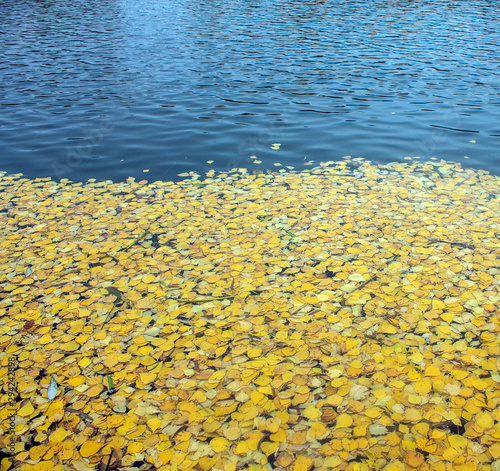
109, 89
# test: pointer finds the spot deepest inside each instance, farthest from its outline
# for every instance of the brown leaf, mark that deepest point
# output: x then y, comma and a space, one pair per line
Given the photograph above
329, 415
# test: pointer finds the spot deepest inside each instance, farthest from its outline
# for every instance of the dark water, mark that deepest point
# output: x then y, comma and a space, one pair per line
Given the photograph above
104, 89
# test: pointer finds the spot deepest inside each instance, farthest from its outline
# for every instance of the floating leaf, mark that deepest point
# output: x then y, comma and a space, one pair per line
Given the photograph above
344, 420
52, 389
89, 448
220, 444
26, 410
260, 317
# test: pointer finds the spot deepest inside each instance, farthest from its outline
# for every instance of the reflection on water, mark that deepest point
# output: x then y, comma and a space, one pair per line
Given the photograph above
108, 89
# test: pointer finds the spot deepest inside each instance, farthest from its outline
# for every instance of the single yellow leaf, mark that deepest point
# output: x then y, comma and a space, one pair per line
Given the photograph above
414, 458
70, 346
311, 413
148, 279
317, 430
373, 412
58, 436
90, 448
494, 450
233, 432
147, 378
343, 421
302, 463
431, 370
84, 362
279, 436
268, 448
422, 387
284, 459
220, 444
26, 410
484, 420
115, 420
458, 442
94, 390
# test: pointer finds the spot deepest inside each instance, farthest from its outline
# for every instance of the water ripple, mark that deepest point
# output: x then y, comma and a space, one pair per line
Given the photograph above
107, 89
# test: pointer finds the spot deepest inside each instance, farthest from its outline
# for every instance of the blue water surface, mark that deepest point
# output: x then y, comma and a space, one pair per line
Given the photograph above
106, 89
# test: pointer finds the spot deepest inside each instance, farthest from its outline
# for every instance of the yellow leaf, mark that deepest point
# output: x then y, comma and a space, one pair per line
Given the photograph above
135, 447
495, 450
332, 462
317, 430
459, 374
70, 346
256, 396
334, 400
279, 436
233, 432
262, 380
298, 438
220, 444
45, 466
308, 287
413, 415
311, 413
26, 410
211, 426
5, 464
90, 448
431, 370
154, 424
217, 375
268, 448
373, 412
198, 396
479, 384
343, 421
302, 463
241, 448
392, 439
484, 420
273, 425
458, 442
414, 399
115, 420
387, 328
422, 387
37, 452
414, 458
58, 436
84, 362
254, 352
94, 390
